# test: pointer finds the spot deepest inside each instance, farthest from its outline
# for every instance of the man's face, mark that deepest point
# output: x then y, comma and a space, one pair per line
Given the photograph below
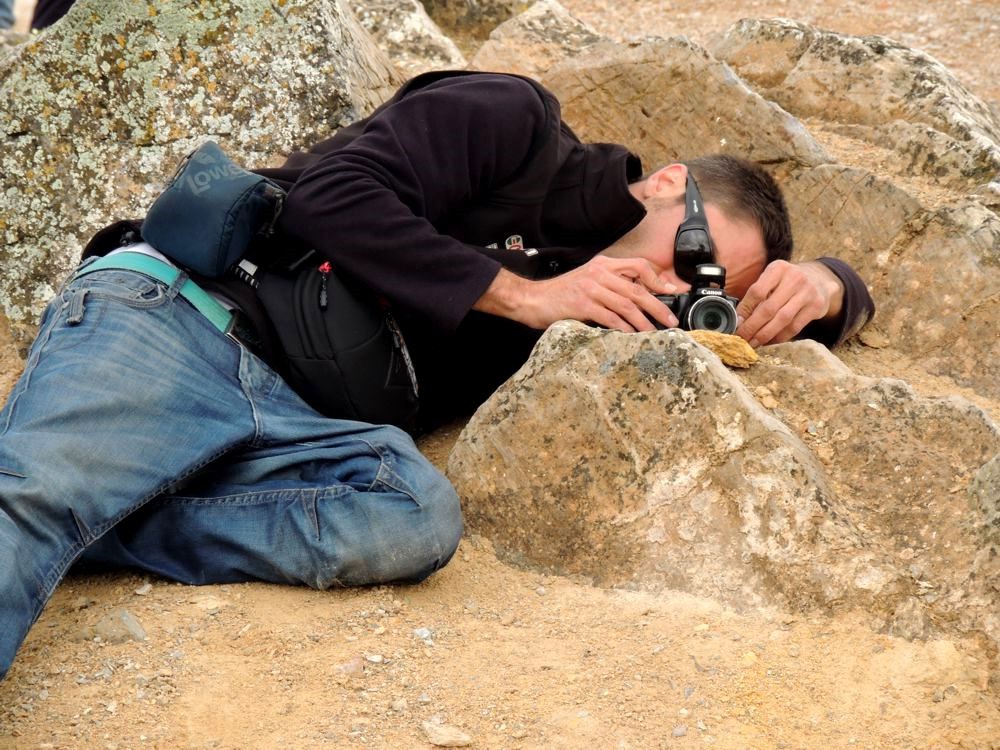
739, 244
739, 248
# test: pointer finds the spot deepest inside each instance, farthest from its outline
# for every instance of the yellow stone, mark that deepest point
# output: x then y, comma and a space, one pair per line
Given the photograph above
732, 350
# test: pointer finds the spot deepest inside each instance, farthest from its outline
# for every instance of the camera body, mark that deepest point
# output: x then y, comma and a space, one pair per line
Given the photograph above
707, 306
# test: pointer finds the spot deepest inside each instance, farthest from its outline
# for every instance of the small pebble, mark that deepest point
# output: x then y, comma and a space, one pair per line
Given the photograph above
443, 735
422, 633
354, 667
680, 731
118, 626
144, 589
375, 658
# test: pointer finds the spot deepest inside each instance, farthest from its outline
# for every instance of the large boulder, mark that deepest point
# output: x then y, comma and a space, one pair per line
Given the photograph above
935, 272
410, 38
100, 108
850, 213
904, 468
472, 18
669, 99
535, 40
940, 295
896, 96
640, 460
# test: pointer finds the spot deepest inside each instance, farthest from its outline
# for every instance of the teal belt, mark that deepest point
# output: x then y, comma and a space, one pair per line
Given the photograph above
202, 301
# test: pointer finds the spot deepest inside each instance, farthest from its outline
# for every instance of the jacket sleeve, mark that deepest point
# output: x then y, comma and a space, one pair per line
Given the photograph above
857, 309
372, 207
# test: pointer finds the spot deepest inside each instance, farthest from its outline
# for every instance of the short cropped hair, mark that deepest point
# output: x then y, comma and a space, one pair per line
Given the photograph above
745, 191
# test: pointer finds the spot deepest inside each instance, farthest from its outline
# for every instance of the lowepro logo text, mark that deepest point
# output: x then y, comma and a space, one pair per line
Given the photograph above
202, 180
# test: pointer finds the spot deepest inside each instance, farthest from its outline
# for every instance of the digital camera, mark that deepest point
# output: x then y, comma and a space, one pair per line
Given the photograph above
707, 306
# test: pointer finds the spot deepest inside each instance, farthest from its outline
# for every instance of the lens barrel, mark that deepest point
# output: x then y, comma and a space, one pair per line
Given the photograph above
711, 314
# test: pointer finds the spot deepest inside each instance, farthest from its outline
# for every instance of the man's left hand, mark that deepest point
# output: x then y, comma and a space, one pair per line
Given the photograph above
785, 299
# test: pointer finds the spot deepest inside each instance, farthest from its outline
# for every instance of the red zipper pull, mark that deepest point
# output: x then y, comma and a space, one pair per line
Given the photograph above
324, 270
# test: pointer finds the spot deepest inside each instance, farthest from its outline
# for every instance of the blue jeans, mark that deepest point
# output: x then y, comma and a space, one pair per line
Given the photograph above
139, 435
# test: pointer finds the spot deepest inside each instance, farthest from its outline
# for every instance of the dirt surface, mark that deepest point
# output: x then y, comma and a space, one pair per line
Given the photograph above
506, 657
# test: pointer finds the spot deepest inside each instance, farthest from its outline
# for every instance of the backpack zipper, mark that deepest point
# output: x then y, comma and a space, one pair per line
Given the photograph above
324, 273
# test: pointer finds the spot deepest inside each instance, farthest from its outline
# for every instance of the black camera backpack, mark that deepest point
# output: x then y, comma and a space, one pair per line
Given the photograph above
343, 352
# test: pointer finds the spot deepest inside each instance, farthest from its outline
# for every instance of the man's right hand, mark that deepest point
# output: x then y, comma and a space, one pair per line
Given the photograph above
611, 292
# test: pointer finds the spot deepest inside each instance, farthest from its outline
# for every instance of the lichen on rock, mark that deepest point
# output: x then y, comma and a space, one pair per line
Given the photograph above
103, 105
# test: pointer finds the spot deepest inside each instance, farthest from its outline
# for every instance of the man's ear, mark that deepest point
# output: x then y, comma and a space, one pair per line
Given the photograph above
666, 182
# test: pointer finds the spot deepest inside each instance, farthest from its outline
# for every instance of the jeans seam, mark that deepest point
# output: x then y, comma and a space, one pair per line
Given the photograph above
134, 302
311, 500
258, 497
29, 368
386, 474
55, 573
258, 427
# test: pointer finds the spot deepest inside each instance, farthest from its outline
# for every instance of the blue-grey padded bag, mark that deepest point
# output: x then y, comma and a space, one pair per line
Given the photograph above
206, 217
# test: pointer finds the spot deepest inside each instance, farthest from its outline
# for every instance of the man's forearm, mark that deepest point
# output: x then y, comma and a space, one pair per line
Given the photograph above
611, 292
504, 296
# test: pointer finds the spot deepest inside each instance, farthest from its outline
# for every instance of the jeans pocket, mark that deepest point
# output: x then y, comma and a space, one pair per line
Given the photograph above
83, 305
127, 287
76, 314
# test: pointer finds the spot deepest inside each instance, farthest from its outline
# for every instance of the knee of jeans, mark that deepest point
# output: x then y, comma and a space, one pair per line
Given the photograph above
398, 537
445, 510
425, 544
434, 538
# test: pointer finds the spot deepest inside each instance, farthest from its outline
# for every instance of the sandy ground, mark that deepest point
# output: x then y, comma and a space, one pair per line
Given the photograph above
509, 657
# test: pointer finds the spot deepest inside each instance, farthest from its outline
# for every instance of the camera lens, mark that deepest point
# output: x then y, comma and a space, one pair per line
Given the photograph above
712, 314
